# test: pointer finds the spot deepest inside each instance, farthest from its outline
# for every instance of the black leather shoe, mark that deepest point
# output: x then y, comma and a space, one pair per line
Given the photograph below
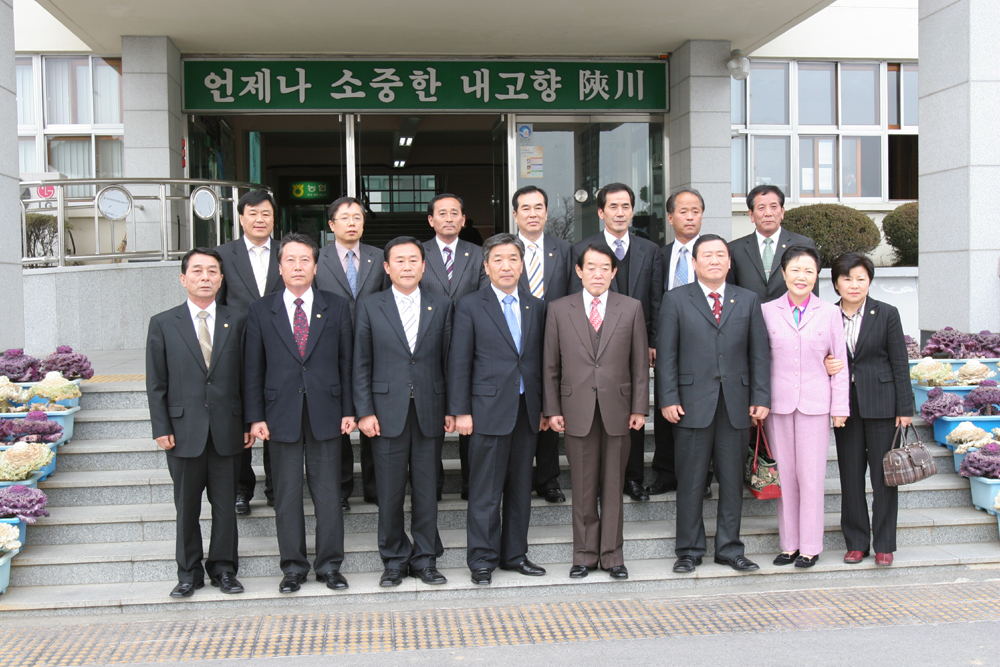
345, 505
553, 496
334, 580
579, 571
483, 576
806, 561
371, 501
659, 488
391, 578
786, 559
227, 583
635, 491
291, 582
242, 504
686, 564
618, 572
525, 567
740, 563
428, 575
185, 589
708, 493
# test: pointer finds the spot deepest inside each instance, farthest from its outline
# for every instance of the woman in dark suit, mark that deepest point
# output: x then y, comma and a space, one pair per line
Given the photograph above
881, 400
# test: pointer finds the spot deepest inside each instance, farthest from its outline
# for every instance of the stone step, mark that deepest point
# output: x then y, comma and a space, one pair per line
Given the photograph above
112, 424
153, 560
117, 395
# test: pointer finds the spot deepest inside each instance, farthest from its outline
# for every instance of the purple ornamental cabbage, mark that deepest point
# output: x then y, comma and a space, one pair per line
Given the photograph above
984, 399
69, 363
989, 344
912, 348
22, 502
34, 423
982, 463
19, 367
950, 343
941, 403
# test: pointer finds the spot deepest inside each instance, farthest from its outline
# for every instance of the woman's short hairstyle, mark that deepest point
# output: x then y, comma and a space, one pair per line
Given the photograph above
797, 251
844, 264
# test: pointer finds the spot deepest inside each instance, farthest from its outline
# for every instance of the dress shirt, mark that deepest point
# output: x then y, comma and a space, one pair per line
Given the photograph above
852, 325
453, 245
675, 255
307, 304
802, 308
342, 253
210, 320
588, 301
398, 296
760, 243
611, 238
527, 250
259, 266
721, 291
516, 306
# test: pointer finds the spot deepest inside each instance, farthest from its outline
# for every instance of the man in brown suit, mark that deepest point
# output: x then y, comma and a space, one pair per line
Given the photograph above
595, 380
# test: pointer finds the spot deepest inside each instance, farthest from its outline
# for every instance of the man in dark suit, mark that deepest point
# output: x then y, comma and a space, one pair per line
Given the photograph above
252, 272
194, 372
352, 270
713, 378
454, 269
756, 258
545, 276
299, 357
494, 392
640, 276
399, 395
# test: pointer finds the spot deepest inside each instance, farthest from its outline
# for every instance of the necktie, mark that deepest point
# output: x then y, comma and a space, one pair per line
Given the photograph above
449, 262
515, 328
797, 316
768, 257
536, 282
259, 268
595, 314
409, 317
204, 340
681, 272
620, 249
352, 274
301, 328
717, 306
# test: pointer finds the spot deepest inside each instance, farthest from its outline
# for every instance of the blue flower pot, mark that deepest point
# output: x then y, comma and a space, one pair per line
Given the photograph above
945, 425
920, 393
69, 402
49, 469
984, 493
5, 570
21, 527
958, 363
65, 419
961, 457
31, 481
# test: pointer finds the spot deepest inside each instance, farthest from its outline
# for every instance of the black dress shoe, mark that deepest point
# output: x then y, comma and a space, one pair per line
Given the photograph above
227, 583
740, 563
391, 578
242, 504
806, 561
345, 505
635, 491
334, 580
686, 564
553, 496
618, 572
525, 567
291, 582
579, 571
786, 559
659, 488
483, 576
185, 589
428, 575
464, 494
371, 501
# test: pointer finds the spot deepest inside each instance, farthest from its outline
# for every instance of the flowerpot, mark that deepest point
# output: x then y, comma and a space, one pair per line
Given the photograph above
958, 363
31, 481
5, 570
961, 457
945, 425
50, 468
920, 392
21, 527
69, 402
64, 418
984, 493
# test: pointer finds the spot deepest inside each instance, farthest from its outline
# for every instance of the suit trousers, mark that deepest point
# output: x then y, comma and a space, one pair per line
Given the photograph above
463, 458
546, 462
322, 462
597, 461
191, 476
411, 455
248, 478
368, 487
861, 444
800, 444
725, 448
500, 474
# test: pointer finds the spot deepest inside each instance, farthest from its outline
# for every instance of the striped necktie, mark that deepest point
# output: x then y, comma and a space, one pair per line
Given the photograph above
352, 274
681, 272
409, 317
768, 258
204, 339
449, 262
536, 280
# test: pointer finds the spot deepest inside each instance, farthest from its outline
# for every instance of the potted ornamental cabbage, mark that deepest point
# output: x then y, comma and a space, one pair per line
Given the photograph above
981, 407
953, 346
69, 364
21, 505
55, 390
11, 395
9, 546
982, 467
19, 367
22, 463
960, 380
967, 437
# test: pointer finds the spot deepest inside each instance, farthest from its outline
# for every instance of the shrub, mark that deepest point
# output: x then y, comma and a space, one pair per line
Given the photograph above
902, 233
835, 229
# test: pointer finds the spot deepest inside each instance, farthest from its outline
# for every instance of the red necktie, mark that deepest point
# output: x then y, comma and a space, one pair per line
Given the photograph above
595, 314
301, 328
717, 306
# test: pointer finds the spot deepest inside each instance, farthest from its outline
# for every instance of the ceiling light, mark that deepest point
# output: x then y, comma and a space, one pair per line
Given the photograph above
409, 141
399, 164
402, 141
738, 65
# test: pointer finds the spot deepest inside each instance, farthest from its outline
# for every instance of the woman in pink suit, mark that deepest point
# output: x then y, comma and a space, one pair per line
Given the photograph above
803, 330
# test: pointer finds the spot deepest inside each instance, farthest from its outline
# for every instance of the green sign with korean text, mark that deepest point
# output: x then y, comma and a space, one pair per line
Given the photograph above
310, 190
261, 86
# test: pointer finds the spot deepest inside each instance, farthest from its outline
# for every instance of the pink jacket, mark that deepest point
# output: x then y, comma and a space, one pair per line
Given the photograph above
799, 380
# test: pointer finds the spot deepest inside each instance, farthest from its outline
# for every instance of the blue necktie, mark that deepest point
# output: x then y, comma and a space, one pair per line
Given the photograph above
352, 274
515, 329
681, 272
797, 316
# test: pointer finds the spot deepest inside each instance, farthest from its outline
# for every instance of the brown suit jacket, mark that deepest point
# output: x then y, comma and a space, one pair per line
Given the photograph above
574, 378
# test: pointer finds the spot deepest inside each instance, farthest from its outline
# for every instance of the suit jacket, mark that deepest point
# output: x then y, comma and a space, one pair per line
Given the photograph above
383, 381
695, 356
556, 268
484, 367
330, 275
278, 379
239, 287
616, 377
747, 268
799, 380
645, 276
879, 368
468, 274
186, 399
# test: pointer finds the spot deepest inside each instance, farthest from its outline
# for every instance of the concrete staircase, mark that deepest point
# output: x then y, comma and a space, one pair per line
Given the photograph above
108, 545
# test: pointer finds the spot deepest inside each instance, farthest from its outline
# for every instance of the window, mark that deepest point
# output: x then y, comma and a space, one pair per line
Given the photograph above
107, 91
892, 96
27, 158
110, 154
859, 94
738, 96
770, 161
818, 166
25, 82
67, 91
862, 173
399, 193
739, 165
768, 93
817, 94
910, 96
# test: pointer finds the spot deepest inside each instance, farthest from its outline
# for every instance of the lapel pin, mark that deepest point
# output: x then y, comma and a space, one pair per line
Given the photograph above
527, 307
873, 312
783, 245
429, 308
226, 325
318, 315
732, 301
550, 254
466, 254
369, 261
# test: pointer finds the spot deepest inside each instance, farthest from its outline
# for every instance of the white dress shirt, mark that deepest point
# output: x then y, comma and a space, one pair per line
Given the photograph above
516, 306
721, 291
527, 251
399, 296
453, 246
259, 261
611, 239
588, 301
675, 255
342, 254
307, 304
210, 320
760, 243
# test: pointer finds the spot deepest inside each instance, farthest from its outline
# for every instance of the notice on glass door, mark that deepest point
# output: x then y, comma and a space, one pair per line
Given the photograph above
531, 161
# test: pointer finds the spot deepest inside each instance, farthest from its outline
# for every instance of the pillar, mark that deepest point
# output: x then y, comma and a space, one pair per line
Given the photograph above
11, 274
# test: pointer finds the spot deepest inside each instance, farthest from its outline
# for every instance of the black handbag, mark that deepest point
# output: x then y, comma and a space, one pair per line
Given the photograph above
907, 462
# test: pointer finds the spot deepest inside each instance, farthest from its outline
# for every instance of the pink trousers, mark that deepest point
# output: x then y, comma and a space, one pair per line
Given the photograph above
800, 444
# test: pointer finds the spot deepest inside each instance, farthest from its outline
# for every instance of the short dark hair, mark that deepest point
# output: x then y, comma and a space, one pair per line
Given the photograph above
672, 199
332, 209
611, 188
765, 190
601, 247
793, 251
528, 189
210, 252
403, 240
255, 197
445, 195
295, 237
705, 238
501, 239
845, 263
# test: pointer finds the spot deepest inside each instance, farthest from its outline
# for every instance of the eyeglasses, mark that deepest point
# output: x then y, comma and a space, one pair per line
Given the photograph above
350, 218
